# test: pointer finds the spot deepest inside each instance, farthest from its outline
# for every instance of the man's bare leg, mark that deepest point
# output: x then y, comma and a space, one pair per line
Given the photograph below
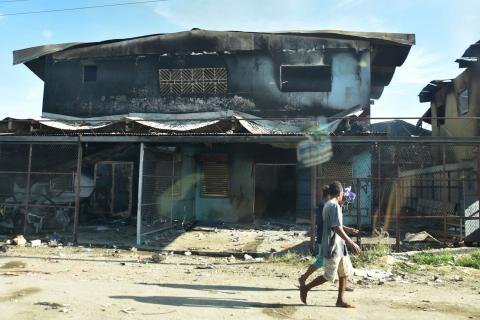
305, 288
311, 269
342, 284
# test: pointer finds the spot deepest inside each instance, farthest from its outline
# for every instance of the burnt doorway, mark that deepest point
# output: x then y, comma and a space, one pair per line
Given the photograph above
113, 188
275, 192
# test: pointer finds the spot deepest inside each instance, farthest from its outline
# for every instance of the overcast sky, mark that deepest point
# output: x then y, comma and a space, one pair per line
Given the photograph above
444, 29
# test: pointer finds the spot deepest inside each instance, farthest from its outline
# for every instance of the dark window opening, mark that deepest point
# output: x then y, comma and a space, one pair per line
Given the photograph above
306, 78
89, 73
441, 115
215, 179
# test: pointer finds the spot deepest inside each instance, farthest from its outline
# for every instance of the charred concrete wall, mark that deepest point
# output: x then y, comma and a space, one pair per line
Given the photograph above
238, 204
131, 84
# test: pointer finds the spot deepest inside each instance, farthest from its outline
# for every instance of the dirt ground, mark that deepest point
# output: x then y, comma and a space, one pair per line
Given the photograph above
84, 283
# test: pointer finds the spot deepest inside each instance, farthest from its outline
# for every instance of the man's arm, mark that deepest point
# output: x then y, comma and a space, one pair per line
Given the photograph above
341, 233
350, 230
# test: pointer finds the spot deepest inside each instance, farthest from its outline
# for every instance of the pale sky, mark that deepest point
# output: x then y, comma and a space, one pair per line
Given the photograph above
444, 29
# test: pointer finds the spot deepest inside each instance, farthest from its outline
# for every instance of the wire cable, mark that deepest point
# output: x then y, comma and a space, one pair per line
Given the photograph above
8, 1
78, 8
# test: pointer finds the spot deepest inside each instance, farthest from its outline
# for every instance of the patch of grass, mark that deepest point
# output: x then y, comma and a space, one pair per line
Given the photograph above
403, 266
18, 294
469, 261
280, 311
252, 246
14, 265
433, 259
289, 258
370, 256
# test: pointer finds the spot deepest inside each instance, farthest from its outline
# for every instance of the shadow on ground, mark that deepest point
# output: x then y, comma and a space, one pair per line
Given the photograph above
213, 287
204, 302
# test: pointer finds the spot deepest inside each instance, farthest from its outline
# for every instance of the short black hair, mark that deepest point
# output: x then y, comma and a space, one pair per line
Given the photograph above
335, 188
325, 191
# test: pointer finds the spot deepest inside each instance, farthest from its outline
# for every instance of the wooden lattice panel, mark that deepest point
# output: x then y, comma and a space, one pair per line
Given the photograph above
194, 81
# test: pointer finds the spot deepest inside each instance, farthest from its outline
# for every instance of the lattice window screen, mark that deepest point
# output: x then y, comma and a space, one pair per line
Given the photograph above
194, 81
215, 177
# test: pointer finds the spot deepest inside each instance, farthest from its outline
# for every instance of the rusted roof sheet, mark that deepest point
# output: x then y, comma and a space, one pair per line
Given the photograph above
428, 92
25, 55
223, 122
471, 56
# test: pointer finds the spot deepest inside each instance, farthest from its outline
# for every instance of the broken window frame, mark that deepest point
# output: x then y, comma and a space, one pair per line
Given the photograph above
290, 78
213, 184
463, 102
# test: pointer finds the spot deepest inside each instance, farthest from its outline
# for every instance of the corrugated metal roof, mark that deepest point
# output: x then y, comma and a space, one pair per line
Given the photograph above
223, 122
399, 128
200, 40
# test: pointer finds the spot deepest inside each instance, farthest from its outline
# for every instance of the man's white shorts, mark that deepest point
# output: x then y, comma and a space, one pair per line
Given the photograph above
341, 266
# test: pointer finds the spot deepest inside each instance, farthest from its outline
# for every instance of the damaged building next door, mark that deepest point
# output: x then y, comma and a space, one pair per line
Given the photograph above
113, 188
275, 192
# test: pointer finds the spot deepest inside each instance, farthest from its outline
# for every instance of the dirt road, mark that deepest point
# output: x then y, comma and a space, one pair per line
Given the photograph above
76, 283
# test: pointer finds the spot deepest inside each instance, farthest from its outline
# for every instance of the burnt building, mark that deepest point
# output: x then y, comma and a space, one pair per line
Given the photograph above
200, 125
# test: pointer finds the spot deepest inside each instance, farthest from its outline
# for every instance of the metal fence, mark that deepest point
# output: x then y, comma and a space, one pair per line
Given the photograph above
38, 193
402, 188
165, 195
406, 190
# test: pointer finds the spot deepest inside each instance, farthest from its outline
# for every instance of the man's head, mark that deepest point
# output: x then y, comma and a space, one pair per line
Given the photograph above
336, 190
325, 191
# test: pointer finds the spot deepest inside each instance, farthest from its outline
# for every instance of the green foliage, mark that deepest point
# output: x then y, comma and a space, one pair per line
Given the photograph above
370, 256
469, 261
289, 258
403, 266
433, 259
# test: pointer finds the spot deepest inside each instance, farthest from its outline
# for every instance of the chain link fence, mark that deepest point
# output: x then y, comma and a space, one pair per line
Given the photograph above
38, 190
416, 192
166, 199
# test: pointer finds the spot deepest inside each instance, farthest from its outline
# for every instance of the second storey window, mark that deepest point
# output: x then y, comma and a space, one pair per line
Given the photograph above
193, 82
305, 78
463, 102
89, 73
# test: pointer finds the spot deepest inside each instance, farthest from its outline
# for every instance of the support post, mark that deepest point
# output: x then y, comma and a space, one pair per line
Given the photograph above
140, 192
379, 186
78, 189
358, 188
313, 207
478, 183
397, 203
27, 196
442, 182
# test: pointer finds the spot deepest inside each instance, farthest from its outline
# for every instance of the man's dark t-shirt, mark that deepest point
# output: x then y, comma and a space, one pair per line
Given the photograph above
319, 221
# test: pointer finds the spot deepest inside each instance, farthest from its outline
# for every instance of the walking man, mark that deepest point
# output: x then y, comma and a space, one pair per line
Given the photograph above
319, 222
334, 248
